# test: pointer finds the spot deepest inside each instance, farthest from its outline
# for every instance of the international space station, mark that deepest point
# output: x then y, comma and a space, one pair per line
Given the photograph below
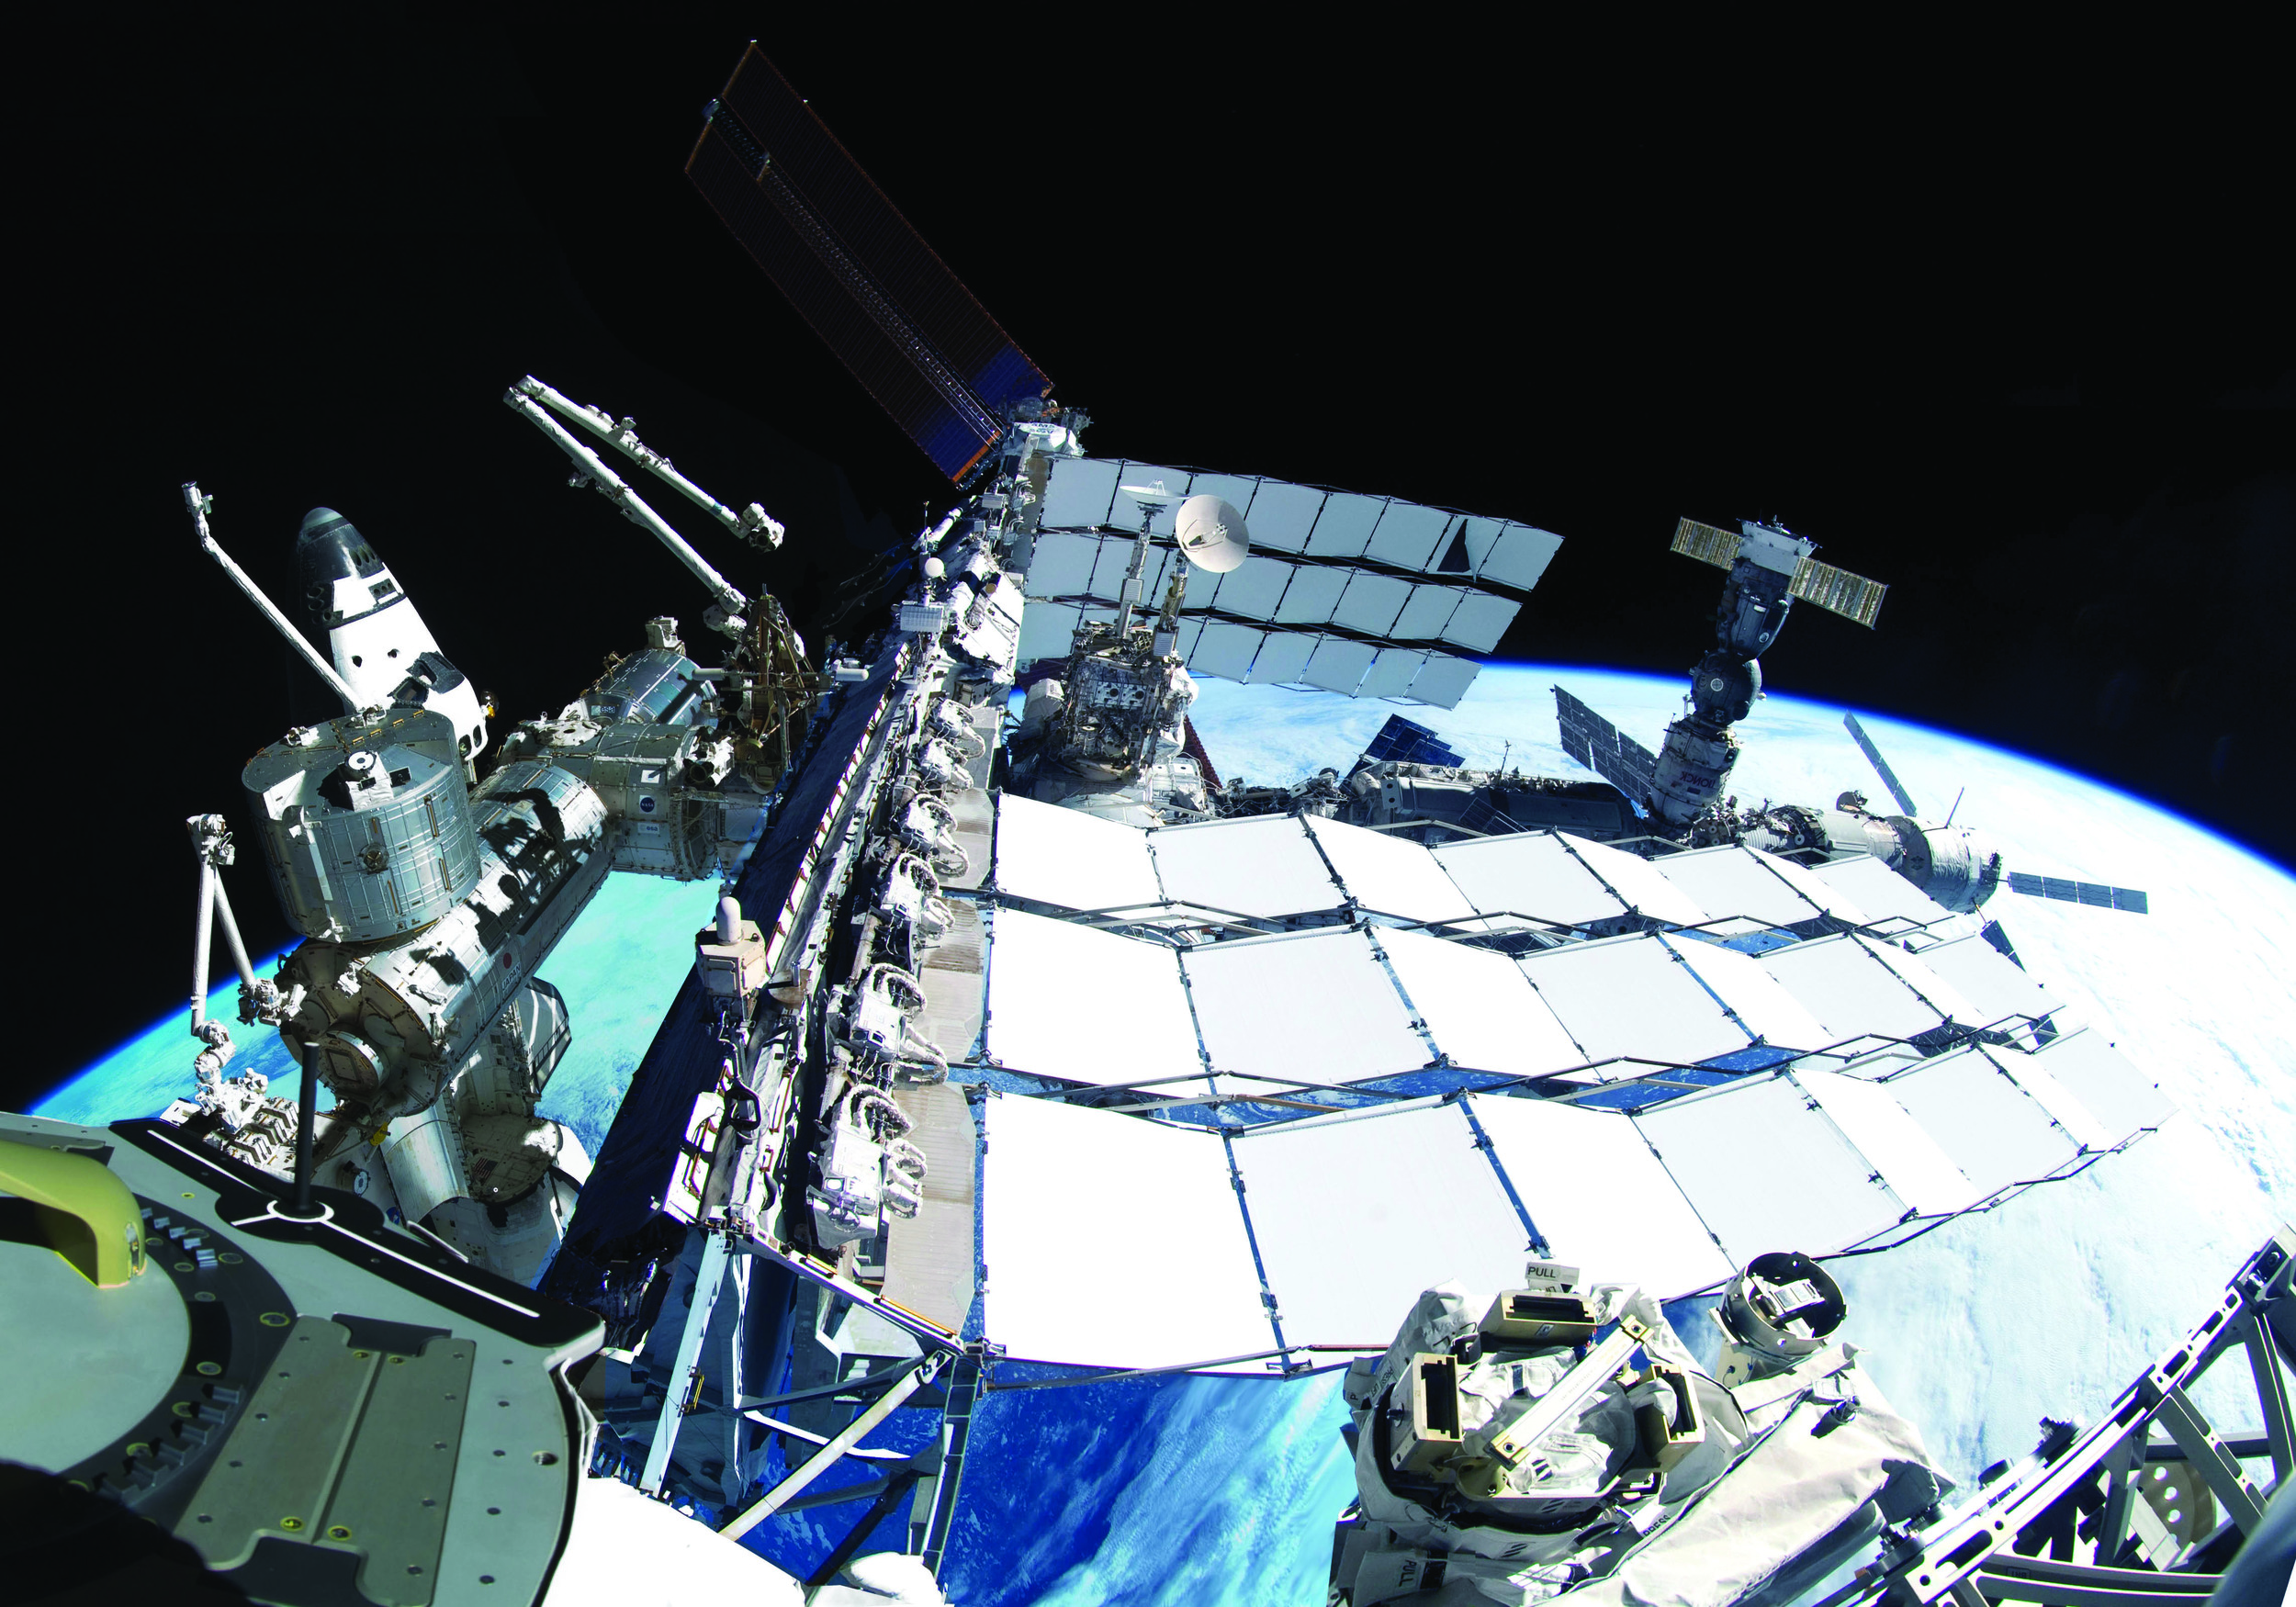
1019, 1035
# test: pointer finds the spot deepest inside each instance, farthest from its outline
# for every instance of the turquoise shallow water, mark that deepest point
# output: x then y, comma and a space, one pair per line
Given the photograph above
619, 966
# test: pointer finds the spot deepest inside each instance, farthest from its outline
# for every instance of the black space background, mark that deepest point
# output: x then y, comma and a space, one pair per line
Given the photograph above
2003, 323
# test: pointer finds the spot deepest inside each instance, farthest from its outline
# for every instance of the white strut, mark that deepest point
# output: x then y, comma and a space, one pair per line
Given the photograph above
591, 470
200, 506
752, 524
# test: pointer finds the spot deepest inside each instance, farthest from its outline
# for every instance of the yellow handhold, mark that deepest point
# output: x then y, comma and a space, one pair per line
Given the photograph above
88, 1215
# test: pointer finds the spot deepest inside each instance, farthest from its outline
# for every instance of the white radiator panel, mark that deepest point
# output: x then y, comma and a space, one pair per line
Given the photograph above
1112, 1241
1354, 1219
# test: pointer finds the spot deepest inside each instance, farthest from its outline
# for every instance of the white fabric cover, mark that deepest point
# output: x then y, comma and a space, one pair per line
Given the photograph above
626, 1549
1793, 1490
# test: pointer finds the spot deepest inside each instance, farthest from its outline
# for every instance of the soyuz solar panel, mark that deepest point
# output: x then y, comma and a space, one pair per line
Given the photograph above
2067, 890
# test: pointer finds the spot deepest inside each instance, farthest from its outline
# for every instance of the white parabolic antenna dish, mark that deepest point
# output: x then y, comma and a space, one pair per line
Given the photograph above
1211, 534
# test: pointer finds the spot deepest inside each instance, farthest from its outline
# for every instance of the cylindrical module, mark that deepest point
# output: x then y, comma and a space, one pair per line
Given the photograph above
481, 1139
1693, 770
393, 1024
1954, 865
366, 825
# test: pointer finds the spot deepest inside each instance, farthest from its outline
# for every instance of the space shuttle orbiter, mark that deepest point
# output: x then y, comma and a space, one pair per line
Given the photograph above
382, 651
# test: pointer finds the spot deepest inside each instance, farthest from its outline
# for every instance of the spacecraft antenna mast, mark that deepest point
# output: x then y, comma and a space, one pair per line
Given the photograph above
1150, 499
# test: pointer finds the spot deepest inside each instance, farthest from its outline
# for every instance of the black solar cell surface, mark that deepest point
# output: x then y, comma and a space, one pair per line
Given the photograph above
1408, 742
748, 212
1636, 760
854, 267
881, 240
1575, 744
1484, 818
1595, 743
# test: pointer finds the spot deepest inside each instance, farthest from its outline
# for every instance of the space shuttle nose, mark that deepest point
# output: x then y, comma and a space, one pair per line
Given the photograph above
382, 651
329, 550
